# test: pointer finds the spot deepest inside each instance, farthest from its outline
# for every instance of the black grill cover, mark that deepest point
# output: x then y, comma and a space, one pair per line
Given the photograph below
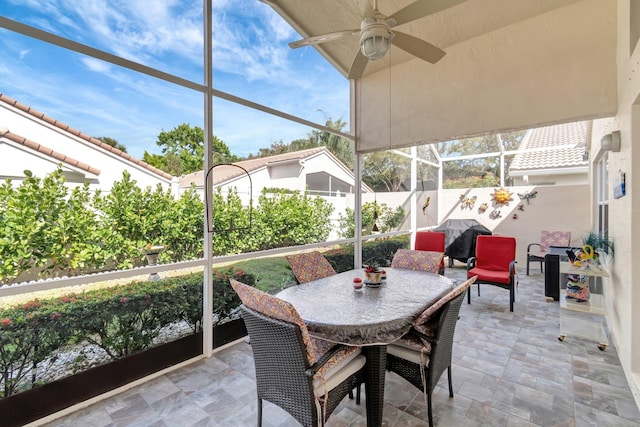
461, 237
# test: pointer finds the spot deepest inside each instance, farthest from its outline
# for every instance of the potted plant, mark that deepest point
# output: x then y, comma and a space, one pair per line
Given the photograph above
601, 245
373, 274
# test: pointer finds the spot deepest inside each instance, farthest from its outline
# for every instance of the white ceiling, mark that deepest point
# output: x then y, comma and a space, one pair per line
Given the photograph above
510, 64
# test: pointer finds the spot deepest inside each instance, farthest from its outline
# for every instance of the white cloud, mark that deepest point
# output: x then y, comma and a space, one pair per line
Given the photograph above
96, 65
251, 60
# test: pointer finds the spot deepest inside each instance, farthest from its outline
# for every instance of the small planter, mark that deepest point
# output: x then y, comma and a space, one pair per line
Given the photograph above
373, 277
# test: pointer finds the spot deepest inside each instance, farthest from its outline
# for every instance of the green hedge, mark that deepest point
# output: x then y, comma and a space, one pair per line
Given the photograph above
380, 252
122, 320
50, 230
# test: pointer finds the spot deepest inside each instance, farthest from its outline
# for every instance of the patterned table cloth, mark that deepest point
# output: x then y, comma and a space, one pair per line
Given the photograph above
334, 311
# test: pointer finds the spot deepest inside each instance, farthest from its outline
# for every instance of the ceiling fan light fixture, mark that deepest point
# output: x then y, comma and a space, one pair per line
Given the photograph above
375, 38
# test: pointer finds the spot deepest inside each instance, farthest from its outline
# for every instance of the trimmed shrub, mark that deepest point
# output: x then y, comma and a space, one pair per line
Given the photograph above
122, 320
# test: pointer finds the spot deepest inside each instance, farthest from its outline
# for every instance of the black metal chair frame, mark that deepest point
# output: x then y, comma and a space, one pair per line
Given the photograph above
534, 258
511, 286
439, 358
283, 374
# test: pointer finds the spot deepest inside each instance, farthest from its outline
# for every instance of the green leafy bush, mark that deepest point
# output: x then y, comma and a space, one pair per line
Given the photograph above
49, 230
122, 320
388, 219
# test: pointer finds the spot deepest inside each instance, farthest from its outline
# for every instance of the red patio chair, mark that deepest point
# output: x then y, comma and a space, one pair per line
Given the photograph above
494, 264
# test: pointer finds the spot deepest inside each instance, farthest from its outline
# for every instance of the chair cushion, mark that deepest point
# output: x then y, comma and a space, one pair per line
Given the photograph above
338, 374
417, 260
277, 308
485, 275
427, 322
310, 266
554, 238
337, 362
411, 348
495, 253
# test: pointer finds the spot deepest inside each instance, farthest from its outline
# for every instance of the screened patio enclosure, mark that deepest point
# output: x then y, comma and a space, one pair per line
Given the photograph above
510, 66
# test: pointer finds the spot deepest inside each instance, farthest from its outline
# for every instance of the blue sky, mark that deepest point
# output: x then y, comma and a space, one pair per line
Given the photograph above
251, 60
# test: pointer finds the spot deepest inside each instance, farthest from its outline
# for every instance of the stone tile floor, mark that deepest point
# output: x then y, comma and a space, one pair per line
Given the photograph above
509, 369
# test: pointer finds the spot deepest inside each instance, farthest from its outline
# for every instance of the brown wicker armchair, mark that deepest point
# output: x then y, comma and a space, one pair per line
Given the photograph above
424, 354
285, 378
306, 377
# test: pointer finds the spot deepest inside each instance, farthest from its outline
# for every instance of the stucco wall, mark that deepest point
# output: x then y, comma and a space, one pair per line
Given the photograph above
565, 208
623, 294
110, 165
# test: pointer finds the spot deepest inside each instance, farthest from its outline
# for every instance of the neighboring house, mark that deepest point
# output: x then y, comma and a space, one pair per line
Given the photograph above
316, 170
556, 155
32, 140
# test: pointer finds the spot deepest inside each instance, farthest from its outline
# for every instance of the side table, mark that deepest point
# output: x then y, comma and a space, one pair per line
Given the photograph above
583, 319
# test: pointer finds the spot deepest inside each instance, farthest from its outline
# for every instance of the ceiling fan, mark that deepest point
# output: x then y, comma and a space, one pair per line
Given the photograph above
376, 35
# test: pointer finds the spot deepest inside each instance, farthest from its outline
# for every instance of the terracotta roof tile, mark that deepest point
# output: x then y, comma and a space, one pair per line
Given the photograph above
565, 144
81, 135
49, 152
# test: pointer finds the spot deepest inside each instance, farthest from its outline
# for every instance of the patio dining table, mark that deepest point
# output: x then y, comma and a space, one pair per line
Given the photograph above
371, 317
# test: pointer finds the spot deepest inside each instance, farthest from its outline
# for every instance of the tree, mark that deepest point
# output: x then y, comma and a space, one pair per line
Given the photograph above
278, 147
385, 171
477, 172
183, 150
112, 142
339, 146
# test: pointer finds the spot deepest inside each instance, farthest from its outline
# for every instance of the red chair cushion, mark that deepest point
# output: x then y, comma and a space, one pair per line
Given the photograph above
490, 275
495, 253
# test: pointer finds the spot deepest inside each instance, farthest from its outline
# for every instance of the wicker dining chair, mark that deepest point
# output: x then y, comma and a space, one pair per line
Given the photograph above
433, 241
306, 377
422, 355
417, 260
310, 266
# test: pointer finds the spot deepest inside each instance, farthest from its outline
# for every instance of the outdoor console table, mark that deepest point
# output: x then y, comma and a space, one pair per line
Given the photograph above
590, 327
371, 317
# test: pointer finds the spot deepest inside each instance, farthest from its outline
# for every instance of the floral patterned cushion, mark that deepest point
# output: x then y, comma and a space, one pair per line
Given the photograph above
427, 322
417, 260
275, 307
412, 342
554, 238
310, 266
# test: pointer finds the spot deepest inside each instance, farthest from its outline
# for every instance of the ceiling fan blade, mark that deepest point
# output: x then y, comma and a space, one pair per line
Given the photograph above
420, 9
359, 64
418, 47
322, 38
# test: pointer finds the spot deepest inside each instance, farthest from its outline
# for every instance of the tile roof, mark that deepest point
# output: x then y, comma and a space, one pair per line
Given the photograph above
225, 173
77, 133
48, 151
557, 146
